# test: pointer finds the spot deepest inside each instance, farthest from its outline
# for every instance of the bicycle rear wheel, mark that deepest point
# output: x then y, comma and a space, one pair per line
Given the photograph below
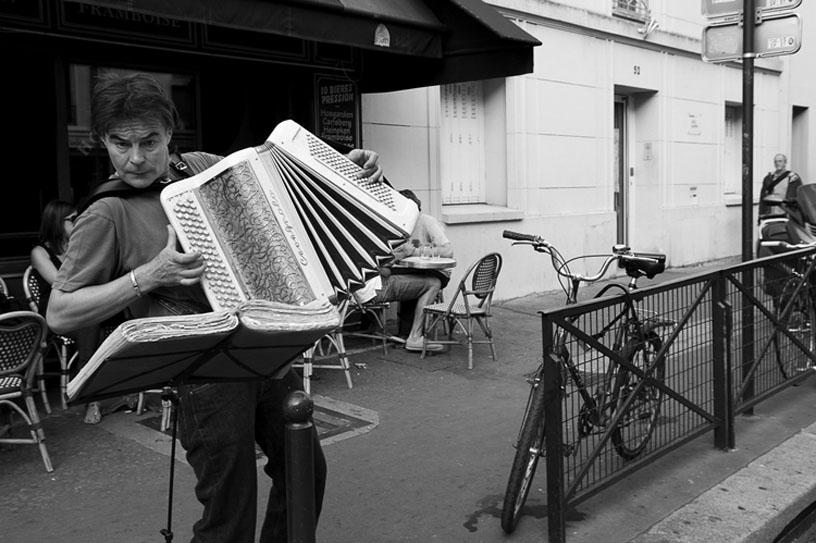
635, 427
798, 323
529, 449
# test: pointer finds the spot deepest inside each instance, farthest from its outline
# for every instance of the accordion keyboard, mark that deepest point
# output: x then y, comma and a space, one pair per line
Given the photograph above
200, 236
328, 156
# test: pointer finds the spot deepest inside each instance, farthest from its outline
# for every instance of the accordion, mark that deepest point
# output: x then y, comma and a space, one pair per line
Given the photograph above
288, 221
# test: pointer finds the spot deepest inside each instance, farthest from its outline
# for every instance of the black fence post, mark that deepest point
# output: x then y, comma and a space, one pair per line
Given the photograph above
723, 403
556, 506
300, 488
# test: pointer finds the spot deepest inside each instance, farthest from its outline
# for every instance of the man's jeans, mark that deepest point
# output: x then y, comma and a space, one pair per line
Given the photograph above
219, 426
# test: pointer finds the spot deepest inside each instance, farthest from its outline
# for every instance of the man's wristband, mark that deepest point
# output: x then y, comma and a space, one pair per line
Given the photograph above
135, 284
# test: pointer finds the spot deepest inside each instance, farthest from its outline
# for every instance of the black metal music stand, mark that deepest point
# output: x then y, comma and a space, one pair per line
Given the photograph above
147, 366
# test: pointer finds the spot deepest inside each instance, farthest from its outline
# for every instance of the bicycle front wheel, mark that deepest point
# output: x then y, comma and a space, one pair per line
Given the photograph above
798, 323
529, 449
636, 424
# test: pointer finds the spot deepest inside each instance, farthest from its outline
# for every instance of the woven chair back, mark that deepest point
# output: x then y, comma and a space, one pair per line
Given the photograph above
21, 337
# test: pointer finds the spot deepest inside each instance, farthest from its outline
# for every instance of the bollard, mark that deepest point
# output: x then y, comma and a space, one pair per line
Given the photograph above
300, 486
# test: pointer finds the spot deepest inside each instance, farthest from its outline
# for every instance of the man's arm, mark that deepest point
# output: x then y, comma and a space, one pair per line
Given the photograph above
86, 306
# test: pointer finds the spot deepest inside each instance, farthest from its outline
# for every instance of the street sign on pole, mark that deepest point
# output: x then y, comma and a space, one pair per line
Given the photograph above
776, 36
733, 8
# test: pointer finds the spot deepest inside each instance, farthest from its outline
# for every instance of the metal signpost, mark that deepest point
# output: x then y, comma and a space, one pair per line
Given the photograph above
767, 30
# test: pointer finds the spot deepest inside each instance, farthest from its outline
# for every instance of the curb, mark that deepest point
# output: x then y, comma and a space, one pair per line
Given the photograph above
753, 505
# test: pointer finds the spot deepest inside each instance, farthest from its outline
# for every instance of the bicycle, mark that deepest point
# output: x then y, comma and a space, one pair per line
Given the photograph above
794, 309
636, 340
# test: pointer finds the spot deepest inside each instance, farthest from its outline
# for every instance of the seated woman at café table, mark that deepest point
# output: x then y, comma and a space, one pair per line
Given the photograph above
415, 288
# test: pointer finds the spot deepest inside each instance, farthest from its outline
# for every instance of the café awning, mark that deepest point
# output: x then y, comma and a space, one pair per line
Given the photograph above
402, 43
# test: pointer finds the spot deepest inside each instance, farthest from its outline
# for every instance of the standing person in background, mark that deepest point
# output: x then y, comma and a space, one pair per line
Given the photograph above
781, 182
123, 256
56, 225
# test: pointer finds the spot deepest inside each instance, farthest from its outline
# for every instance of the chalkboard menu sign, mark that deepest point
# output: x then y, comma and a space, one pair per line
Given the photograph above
337, 109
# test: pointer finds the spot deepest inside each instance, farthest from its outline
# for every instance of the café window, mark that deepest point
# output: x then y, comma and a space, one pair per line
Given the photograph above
462, 149
180, 87
88, 161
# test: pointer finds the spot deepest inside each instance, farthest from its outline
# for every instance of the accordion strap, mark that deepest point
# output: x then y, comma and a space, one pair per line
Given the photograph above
115, 187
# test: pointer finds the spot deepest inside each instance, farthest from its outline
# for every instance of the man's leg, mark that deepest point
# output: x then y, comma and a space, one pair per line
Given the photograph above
421, 288
217, 429
427, 298
270, 427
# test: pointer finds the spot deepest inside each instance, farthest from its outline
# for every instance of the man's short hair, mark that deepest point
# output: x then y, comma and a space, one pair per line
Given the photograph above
125, 97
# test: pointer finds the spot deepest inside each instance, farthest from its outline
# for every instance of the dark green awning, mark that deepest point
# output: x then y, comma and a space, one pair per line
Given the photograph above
404, 43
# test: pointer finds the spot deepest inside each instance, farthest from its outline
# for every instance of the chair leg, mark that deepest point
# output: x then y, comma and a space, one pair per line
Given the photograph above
308, 361
470, 343
37, 433
167, 413
425, 329
341, 355
41, 384
63, 358
140, 406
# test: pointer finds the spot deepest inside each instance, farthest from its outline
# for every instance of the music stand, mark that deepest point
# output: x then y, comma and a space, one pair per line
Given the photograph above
168, 364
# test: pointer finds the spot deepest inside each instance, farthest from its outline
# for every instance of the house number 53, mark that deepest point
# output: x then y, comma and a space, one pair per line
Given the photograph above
636, 69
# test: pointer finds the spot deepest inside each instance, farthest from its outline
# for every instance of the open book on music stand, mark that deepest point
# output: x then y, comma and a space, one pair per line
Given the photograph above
285, 229
258, 340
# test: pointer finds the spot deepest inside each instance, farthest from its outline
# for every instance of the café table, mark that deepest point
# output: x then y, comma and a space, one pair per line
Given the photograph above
426, 263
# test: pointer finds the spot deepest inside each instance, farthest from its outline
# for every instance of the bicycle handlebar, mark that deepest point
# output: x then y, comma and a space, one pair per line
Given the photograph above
522, 237
785, 245
635, 264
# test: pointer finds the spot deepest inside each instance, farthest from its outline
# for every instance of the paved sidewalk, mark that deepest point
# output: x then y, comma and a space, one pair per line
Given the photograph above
419, 451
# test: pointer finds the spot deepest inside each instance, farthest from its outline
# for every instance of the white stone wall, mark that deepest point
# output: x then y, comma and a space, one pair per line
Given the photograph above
555, 162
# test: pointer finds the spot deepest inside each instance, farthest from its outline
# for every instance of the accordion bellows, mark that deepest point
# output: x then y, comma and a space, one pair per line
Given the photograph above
285, 228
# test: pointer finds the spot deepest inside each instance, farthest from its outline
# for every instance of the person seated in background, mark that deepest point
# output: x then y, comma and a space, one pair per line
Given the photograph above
413, 288
46, 257
428, 232
56, 226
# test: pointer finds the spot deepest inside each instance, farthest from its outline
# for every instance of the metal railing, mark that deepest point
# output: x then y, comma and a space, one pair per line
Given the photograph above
731, 345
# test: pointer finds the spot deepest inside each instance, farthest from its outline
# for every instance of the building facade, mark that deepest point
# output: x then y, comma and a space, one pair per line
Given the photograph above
621, 134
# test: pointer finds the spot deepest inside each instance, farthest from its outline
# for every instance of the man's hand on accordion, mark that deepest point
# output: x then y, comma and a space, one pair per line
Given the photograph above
369, 161
171, 267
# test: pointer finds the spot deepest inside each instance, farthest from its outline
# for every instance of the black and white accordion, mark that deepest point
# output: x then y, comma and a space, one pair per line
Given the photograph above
289, 221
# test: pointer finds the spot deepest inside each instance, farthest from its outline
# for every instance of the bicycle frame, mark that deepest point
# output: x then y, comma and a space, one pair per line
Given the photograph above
632, 327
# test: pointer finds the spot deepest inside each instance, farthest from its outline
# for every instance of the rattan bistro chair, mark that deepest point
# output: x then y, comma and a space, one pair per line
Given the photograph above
22, 338
324, 350
470, 303
63, 346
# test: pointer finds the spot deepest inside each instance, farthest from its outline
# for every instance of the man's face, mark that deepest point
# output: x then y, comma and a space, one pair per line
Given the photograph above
138, 150
780, 162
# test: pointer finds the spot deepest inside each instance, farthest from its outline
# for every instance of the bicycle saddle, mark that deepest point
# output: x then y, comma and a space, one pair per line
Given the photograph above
640, 264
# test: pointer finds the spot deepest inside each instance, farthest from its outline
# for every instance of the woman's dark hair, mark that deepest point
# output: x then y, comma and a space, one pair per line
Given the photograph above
125, 97
408, 193
52, 231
